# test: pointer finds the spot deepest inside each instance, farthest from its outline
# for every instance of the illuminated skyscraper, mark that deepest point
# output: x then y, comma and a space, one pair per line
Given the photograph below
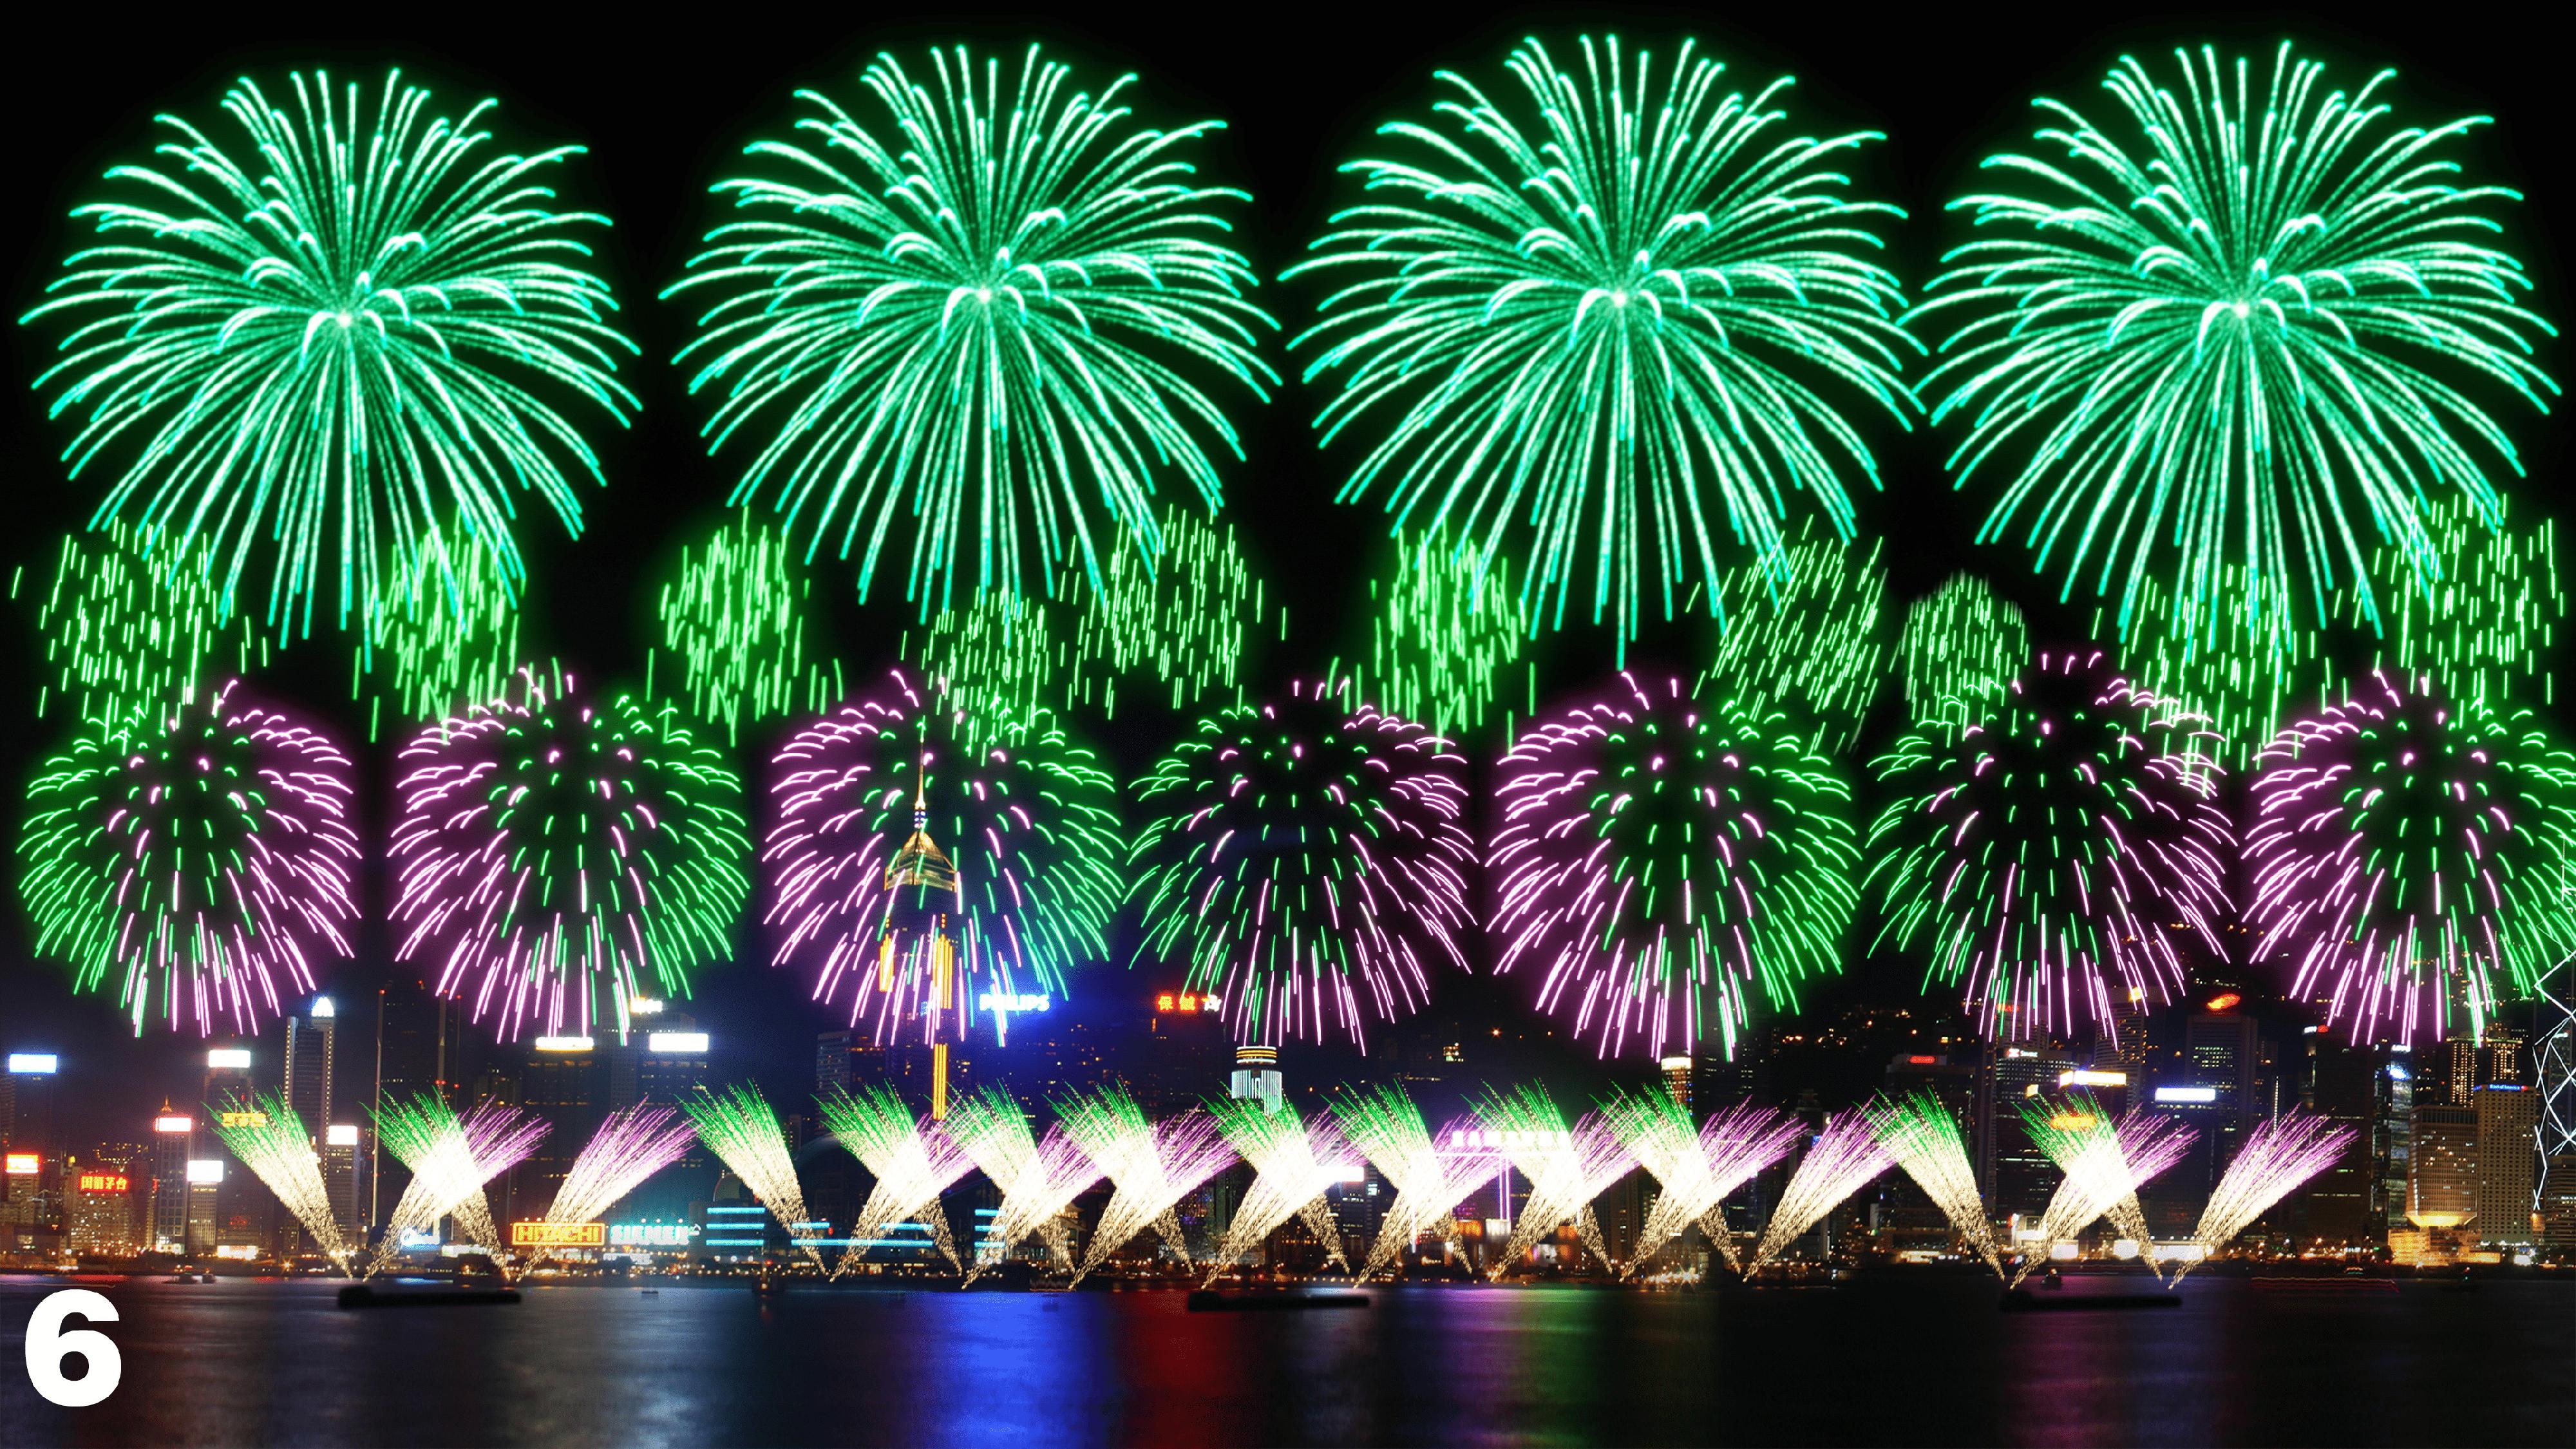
99, 1218
919, 937
2507, 1112
172, 1131
1677, 1080
2392, 1136
2442, 1181
310, 1059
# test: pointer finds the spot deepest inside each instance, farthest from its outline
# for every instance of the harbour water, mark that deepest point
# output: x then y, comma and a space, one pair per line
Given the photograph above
1921, 1361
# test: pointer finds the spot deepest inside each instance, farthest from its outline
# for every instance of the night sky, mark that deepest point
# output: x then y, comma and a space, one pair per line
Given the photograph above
665, 111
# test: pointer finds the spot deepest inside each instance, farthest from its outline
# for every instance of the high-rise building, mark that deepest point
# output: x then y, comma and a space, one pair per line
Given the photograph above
2459, 1070
2392, 1128
310, 1059
341, 1142
2018, 1178
564, 1081
100, 1216
2500, 1057
2508, 1153
419, 1047
245, 1212
2339, 1083
1914, 1220
31, 1187
172, 1133
2442, 1179
1677, 1080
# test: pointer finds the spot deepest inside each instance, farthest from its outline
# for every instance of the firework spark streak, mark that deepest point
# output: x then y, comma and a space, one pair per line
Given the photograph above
446, 636
205, 854
1430, 1177
1038, 1178
1300, 856
1566, 1168
734, 622
1962, 647
1924, 1138
2040, 853
129, 627
1609, 329
1658, 855
1803, 637
741, 1129
632, 1145
1447, 627
913, 1162
1294, 1162
1026, 836
1839, 1161
2278, 1155
2237, 658
2406, 846
271, 1141
1696, 1170
449, 1162
996, 317
2264, 312
557, 853
2104, 1167
2487, 627
1152, 1165
339, 343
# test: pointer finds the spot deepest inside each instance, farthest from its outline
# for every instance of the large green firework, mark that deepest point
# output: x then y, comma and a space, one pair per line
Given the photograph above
1307, 861
1805, 638
203, 854
1447, 630
1602, 321
1962, 646
2488, 627
557, 852
128, 628
734, 622
990, 308
2236, 328
2040, 858
347, 336
444, 637
1659, 856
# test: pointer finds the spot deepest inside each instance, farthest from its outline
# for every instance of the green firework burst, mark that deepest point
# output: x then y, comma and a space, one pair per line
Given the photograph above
734, 624
445, 638
1609, 316
2231, 330
1447, 630
335, 339
1962, 646
2238, 658
991, 307
1805, 638
2488, 627
131, 629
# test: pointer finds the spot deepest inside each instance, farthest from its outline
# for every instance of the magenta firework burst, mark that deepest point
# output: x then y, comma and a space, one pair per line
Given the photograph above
1659, 854
1307, 862
2047, 856
206, 856
921, 876
558, 850
2413, 855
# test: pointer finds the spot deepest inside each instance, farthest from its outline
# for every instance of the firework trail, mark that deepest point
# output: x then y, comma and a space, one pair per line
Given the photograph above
1924, 1138
1566, 1168
205, 855
991, 306
632, 1145
1430, 1178
1601, 311
449, 1162
918, 877
1447, 627
442, 639
2487, 626
1802, 636
557, 853
1307, 862
1962, 647
1294, 1163
1839, 1161
2405, 845
2104, 1167
1037, 1178
2278, 1155
912, 1160
734, 623
1695, 1169
271, 1141
2235, 657
2038, 855
354, 336
2145, 342
130, 627
1659, 854
1152, 1165
741, 1128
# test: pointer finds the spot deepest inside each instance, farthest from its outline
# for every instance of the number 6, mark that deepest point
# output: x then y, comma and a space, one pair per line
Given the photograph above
48, 1346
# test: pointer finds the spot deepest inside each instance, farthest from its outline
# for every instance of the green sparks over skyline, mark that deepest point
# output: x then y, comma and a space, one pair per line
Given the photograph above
1595, 324
734, 624
444, 639
333, 339
1805, 638
993, 308
1962, 646
2245, 327
1444, 633
126, 630
2236, 658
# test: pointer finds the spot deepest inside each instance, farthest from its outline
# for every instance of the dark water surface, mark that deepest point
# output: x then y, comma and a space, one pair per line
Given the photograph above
1924, 1361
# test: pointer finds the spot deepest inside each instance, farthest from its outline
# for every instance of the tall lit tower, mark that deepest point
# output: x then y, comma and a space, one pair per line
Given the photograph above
171, 1133
918, 928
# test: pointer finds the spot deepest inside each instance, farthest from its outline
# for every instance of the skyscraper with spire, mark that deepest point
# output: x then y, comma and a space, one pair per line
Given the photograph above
923, 895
